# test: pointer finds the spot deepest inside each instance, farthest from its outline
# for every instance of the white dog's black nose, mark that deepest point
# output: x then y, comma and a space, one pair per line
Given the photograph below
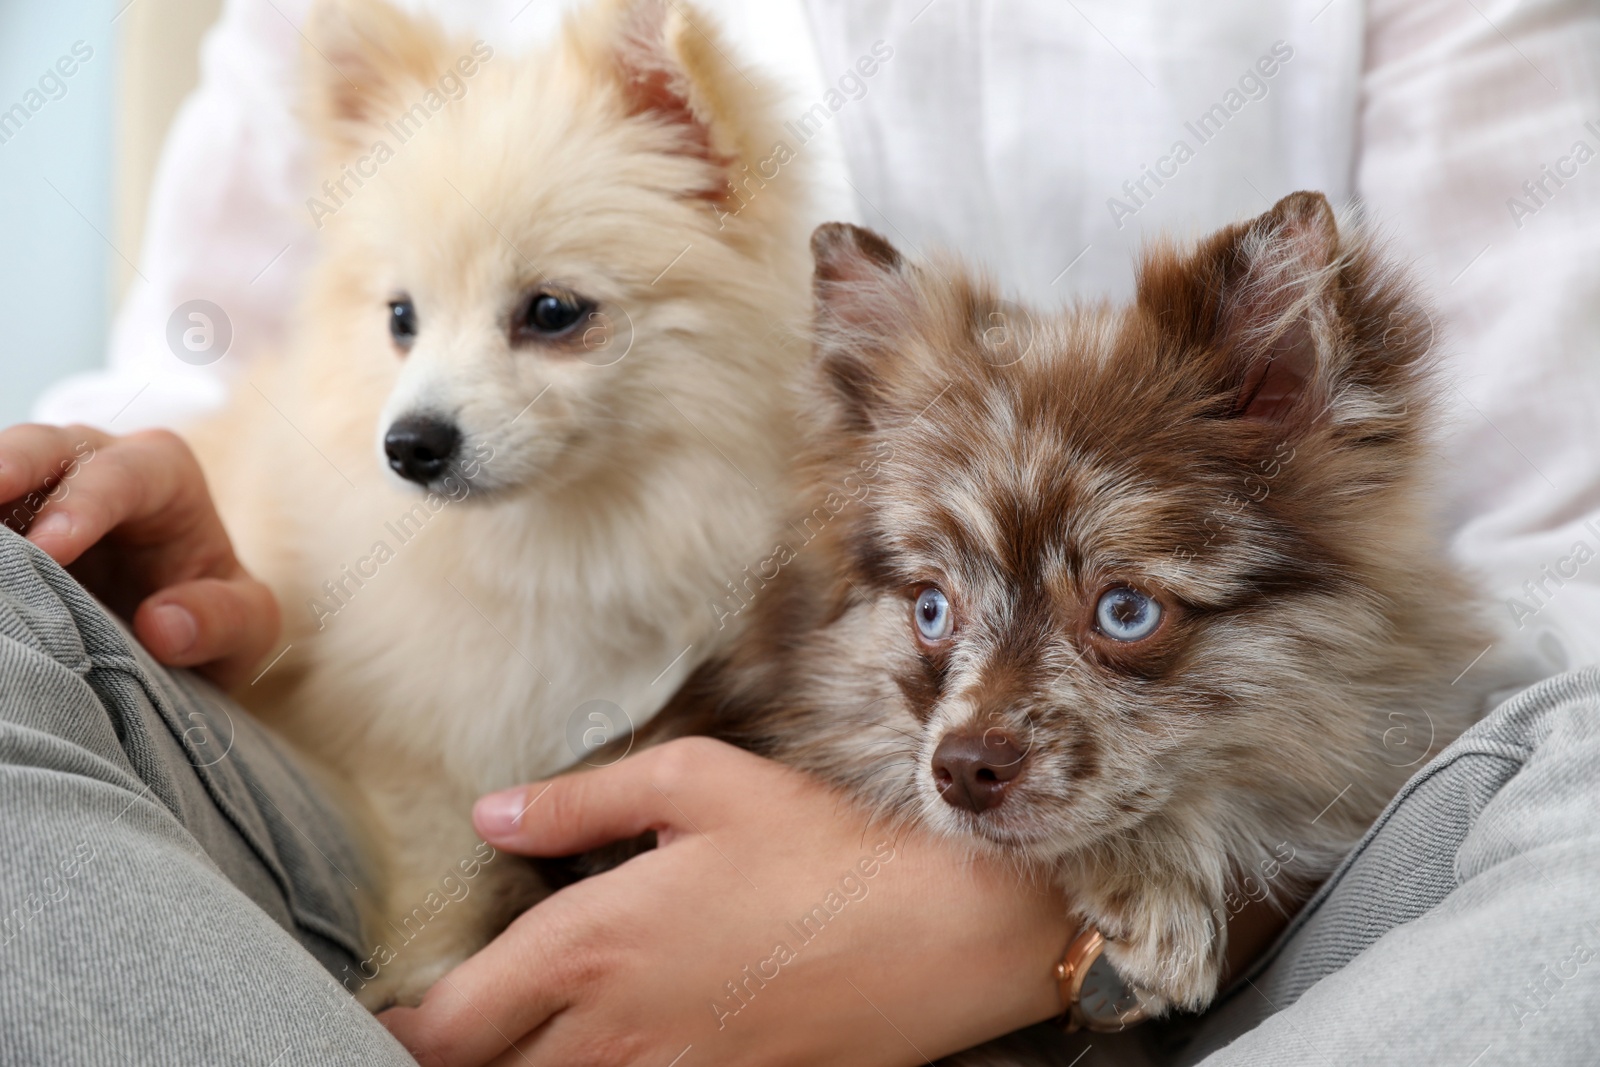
420, 447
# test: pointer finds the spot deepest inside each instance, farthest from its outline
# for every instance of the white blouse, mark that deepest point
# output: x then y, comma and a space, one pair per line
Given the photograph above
1048, 140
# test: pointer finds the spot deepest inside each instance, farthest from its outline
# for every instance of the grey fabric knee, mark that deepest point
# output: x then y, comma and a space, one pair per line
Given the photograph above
174, 890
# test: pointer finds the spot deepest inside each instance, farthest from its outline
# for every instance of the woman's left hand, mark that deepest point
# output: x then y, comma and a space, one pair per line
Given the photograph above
775, 923
132, 519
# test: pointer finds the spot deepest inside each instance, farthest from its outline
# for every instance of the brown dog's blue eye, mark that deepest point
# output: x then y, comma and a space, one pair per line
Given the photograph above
934, 618
549, 315
403, 321
1125, 614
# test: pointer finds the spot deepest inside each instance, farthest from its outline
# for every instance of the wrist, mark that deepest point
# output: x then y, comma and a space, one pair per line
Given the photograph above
994, 937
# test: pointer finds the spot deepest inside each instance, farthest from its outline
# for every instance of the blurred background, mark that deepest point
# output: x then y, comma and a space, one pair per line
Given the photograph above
77, 154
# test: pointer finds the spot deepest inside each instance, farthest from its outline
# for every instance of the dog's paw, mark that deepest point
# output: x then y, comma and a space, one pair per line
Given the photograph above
1164, 943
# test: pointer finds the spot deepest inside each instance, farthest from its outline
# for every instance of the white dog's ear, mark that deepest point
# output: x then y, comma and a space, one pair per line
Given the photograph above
366, 63
669, 62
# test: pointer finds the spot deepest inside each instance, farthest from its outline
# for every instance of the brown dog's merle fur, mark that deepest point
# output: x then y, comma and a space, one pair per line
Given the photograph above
1246, 444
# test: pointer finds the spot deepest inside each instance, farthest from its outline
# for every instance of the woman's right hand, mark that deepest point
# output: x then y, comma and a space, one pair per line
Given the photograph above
132, 519
775, 923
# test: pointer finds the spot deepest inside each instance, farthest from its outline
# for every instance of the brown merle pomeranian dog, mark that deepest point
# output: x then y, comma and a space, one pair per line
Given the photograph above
1143, 596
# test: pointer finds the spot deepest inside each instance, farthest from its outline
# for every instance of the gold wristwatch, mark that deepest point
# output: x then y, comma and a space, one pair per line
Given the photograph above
1093, 994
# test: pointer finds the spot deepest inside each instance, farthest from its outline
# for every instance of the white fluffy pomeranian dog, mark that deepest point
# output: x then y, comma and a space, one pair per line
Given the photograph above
532, 423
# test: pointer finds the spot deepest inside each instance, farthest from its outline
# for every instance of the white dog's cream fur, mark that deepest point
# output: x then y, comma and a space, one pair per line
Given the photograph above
608, 486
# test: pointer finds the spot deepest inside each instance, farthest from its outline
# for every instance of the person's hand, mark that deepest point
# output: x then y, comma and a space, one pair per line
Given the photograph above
131, 518
774, 924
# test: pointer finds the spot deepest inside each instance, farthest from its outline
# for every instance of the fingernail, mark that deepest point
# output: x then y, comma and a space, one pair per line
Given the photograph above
57, 524
175, 628
499, 815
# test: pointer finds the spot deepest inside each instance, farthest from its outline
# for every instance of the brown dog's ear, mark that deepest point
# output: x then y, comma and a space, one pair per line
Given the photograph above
865, 298
366, 63
1273, 312
1259, 301
859, 276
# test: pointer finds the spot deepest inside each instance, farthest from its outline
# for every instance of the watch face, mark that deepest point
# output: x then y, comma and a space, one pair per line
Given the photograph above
1104, 1000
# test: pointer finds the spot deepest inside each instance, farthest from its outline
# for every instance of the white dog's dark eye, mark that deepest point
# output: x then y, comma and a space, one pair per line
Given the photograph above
403, 321
934, 618
1125, 614
549, 315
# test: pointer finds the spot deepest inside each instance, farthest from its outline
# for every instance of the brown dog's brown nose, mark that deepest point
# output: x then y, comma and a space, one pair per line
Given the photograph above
972, 772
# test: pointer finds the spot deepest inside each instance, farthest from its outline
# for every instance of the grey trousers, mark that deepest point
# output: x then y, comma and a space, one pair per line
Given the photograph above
1464, 930
175, 891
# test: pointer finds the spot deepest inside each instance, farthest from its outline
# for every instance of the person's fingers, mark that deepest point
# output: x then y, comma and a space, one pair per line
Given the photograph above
38, 465
517, 1055
225, 624
74, 489
574, 813
149, 489
489, 1003
98, 498
526, 977
578, 812
32, 454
